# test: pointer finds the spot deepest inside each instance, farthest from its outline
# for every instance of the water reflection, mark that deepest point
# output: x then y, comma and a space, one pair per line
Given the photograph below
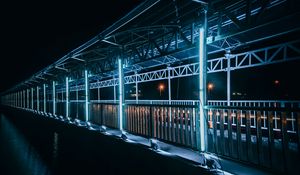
18, 156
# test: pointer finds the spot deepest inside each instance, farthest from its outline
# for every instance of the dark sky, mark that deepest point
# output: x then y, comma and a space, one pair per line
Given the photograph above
35, 33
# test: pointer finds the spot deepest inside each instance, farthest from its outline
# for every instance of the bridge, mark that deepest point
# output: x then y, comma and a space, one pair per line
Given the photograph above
102, 84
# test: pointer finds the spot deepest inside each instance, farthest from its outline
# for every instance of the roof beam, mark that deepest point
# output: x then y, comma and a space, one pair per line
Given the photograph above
61, 68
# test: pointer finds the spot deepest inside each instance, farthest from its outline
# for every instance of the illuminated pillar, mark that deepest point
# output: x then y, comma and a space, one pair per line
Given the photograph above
31, 98
44, 94
76, 100
67, 97
27, 98
87, 99
98, 91
53, 97
227, 55
24, 97
37, 99
121, 93
202, 85
20, 97
115, 97
136, 88
169, 85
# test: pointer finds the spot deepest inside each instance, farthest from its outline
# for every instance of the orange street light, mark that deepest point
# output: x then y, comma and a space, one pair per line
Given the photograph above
210, 86
161, 87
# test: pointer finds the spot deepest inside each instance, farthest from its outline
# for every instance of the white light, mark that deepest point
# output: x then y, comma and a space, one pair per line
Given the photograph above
86, 95
201, 88
120, 93
53, 91
44, 86
67, 96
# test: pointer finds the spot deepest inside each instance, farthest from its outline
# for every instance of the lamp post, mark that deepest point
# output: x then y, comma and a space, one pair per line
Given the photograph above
161, 87
210, 87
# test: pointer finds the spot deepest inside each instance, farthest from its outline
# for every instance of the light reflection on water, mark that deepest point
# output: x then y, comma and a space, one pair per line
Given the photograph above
55, 145
18, 153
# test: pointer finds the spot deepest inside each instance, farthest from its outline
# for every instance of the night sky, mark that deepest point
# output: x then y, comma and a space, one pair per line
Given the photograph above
35, 34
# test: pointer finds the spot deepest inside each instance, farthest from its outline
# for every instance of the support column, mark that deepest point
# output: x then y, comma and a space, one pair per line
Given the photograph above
76, 99
20, 99
53, 97
15, 99
37, 99
44, 94
202, 86
28, 98
121, 93
115, 97
136, 88
31, 98
227, 55
24, 99
98, 91
169, 85
67, 97
87, 98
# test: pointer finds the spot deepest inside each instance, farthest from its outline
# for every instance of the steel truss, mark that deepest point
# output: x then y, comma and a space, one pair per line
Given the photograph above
259, 57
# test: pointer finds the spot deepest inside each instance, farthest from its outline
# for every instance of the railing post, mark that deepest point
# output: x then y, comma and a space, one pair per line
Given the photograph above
285, 140
238, 114
259, 137
271, 137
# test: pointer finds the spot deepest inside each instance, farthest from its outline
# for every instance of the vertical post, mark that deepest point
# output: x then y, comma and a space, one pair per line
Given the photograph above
20, 96
24, 99
114, 89
136, 88
202, 85
31, 98
44, 95
227, 55
37, 99
87, 99
98, 91
169, 85
170, 98
67, 97
121, 92
53, 97
27, 98
76, 100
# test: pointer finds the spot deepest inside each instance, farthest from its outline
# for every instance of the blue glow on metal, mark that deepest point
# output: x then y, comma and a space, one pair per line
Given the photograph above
44, 89
67, 96
53, 97
31, 98
86, 96
37, 99
120, 67
201, 88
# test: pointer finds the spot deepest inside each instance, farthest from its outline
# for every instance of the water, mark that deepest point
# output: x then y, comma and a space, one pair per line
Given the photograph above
40, 146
